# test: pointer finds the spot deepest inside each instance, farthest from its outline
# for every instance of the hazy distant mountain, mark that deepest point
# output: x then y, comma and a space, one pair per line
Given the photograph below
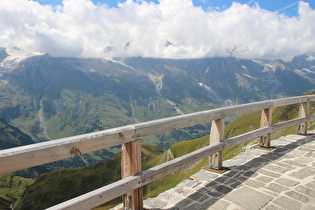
303, 66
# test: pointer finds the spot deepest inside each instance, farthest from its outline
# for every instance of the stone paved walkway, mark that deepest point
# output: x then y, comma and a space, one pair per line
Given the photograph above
283, 178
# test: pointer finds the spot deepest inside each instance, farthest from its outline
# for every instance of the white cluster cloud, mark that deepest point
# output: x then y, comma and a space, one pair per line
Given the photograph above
170, 29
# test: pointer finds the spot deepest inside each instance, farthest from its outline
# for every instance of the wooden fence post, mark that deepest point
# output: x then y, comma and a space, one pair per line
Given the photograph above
131, 165
265, 120
303, 112
216, 135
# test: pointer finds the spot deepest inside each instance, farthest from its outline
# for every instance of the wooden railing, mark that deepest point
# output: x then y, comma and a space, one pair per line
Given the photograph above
133, 178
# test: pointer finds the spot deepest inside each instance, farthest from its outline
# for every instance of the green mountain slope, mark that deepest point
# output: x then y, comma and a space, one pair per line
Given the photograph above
11, 136
11, 189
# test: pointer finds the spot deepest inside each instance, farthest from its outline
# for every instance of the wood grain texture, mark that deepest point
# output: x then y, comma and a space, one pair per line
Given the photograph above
265, 120
303, 112
18, 158
216, 135
131, 165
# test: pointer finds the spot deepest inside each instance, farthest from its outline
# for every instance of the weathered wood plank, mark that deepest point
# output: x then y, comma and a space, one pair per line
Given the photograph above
289, 101
261, 131
169, 124
265, 120
18, 158
288, 123
216, 135
311, 117
246, 136
101, 195
131, 165
303, 112
164, 169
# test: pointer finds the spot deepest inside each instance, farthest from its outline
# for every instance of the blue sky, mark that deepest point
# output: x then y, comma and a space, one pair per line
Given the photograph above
286, 7
279, 29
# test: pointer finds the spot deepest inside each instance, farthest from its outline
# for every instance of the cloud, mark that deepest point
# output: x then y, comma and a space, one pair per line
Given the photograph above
169, 29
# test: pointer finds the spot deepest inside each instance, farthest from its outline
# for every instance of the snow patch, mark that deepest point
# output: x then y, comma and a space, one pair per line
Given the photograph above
246, 75
267, 67
207, 70
17, 55
205, 86
304, 71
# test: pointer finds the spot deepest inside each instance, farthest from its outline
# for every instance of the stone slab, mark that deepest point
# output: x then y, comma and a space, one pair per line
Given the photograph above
311, 185
306, 191
287, 182
276, 187
248, 198
304, 172
298, 196
287, 203
154, 203
220, 204
203, 176
188, 183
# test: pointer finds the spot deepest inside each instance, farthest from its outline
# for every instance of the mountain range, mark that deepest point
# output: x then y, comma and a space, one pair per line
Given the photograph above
49, 97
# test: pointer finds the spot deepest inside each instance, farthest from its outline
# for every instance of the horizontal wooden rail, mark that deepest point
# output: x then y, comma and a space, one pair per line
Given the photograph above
37, 154
45, 152
101, 195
